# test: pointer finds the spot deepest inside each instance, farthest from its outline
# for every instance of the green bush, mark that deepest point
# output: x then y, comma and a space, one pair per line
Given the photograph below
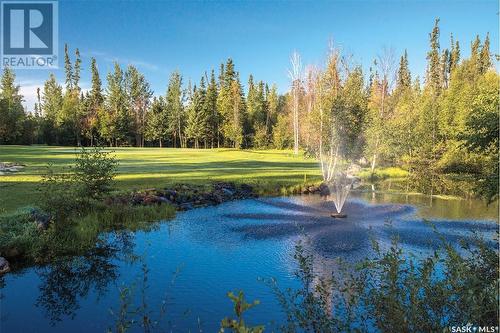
396, 292
74, 192
94, 172
240, 307
59, 195
18, 234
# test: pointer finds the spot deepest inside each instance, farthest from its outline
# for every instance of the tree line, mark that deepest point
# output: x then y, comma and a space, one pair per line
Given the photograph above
214, 112
446, 123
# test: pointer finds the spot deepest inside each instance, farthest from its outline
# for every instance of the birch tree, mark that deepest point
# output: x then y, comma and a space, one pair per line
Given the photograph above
295, 75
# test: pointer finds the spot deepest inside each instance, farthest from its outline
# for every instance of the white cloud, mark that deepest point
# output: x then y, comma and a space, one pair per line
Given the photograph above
29, 87
110, 58
28, 90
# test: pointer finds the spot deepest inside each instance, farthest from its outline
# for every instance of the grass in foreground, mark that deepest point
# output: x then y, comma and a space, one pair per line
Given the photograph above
20, 237
141, 168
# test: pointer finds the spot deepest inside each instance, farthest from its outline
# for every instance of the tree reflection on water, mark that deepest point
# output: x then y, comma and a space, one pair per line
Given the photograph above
67, 280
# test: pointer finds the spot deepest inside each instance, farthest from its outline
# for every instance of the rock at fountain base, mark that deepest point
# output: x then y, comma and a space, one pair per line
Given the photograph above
338, 215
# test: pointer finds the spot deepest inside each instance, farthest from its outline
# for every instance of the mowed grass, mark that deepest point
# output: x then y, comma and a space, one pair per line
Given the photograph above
141, 168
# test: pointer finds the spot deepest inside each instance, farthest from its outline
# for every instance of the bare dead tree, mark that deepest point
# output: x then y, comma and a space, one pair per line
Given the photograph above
295, 75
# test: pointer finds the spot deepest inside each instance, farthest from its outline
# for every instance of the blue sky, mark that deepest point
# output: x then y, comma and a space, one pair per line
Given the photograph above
193, 37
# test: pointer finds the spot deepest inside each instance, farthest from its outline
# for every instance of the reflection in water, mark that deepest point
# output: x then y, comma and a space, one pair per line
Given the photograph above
222, 248
66, 280
450, 209
350, 237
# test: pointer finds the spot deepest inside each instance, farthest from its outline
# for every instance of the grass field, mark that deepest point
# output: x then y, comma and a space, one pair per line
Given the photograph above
141, 168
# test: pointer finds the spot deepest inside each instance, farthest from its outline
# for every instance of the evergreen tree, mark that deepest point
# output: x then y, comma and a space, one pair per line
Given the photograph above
434, 63
213, 113
77, 71
273, 103
404, 76
197, 117
445, 70
231, 105
485, 56
68, 69
229, 73
454, 58
51, 106
139, 95
71, 117
475, 49
234, 113
175, 109
157, 128
12, 113
95, 104
116, 122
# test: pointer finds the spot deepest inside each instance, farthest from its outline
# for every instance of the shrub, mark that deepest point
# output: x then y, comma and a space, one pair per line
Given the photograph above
396, 292
72, 193
18, 233
94, 172
240, 306
59, 195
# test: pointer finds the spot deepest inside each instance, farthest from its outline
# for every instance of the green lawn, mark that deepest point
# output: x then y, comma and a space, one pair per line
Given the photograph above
141, 168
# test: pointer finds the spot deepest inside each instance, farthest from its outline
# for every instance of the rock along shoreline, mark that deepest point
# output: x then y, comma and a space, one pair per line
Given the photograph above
185, 197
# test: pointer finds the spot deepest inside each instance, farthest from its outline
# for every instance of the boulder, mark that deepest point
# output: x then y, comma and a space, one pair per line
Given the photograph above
41, 219
154, 199
227, 192
185, 206
12, 252
164, 200
245, 188
171, 194
324, 190
313, 189
218, 198
4, 266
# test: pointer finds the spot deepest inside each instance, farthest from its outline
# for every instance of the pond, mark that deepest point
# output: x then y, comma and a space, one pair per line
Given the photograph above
191, 262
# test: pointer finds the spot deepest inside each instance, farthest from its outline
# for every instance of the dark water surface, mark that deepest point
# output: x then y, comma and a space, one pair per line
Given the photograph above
193, 260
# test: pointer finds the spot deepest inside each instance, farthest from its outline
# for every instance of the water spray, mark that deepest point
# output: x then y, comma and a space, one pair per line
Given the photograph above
341, 187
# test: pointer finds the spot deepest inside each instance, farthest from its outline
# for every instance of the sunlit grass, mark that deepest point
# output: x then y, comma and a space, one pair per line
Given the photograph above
141, 168
383, 173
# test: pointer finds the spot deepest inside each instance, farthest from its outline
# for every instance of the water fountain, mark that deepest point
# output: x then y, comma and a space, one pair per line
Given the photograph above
339, 190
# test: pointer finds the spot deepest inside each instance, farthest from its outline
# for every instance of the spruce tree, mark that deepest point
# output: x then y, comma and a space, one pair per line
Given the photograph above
77, 71
454, 57
94, 103
12, 113
445, 70
196, 121
116, 122
157, 124
213, 114
138, 99
51, 103
485, 56
434, 61
68, 69
404, 76
175, 109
